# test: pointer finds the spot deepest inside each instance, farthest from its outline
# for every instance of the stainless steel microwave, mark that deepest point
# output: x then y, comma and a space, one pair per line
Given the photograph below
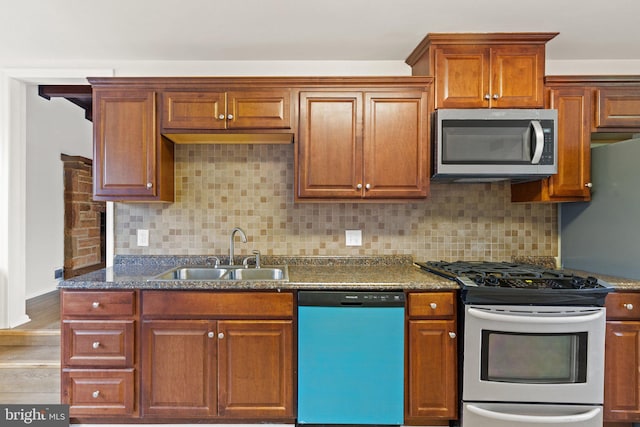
484, 145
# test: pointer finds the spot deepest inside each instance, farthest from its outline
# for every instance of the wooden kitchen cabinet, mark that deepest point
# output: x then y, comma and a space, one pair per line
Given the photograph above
573, 180
360, 145
220, 110
617, 108
99, 363
217, 354
431, 367
622, 358
494, 70
132, 161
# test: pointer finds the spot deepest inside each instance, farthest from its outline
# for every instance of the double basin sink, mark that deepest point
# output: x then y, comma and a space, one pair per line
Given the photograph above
225, 272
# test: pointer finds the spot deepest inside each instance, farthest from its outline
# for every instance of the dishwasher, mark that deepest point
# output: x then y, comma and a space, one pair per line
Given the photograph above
350, 357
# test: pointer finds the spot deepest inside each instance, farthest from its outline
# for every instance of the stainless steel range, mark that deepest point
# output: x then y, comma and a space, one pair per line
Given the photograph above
533, 344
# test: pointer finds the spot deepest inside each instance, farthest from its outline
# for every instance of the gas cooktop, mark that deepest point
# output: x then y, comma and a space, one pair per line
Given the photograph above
509, 283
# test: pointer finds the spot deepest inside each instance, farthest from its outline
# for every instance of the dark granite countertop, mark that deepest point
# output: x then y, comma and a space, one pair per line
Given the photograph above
370, 273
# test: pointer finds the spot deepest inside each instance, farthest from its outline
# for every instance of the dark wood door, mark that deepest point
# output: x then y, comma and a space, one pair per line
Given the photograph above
517, 77
396, 146
462, 77
124, 144
194, 110
179, 368
432, 370
622, 377
255, 363
329, 150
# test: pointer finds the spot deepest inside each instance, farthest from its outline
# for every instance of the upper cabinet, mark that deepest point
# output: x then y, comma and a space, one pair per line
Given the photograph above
585, 104
493, 70
219, 110
364, 143
131, 160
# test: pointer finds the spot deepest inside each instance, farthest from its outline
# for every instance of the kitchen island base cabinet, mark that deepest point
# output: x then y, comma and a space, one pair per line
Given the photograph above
217, 355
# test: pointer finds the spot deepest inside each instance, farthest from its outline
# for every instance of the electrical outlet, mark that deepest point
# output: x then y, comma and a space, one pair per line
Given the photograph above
143, 237
353, 237
58, 273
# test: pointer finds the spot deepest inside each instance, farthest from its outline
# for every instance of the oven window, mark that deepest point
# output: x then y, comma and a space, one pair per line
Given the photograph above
518, 357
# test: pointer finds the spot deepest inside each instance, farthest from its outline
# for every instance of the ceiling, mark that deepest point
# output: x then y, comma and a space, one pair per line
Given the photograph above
186, 30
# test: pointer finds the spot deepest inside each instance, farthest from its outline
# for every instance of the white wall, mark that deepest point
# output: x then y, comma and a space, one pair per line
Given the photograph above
54, 127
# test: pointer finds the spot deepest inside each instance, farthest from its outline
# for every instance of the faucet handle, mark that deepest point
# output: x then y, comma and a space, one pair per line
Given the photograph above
256, 255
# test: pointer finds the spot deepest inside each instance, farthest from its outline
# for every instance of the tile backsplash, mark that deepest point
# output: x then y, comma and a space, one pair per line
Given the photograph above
219, 187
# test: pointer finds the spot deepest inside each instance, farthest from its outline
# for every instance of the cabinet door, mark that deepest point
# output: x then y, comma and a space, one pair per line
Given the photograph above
517, 77
124, 144
622, 378
329, 152
255, 365
462, 77
574, 143
396, 147
617, 108
259, 110
194, 110
432, 370
178, 368
572, 182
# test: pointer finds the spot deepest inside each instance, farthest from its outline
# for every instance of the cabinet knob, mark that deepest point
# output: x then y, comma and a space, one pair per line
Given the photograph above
496, 96
433, 305
589, 185
367, 187
452, 335
95, 394
230, 117
221, 117
487, 96
211, 334
95, 304
220, 335
96, 345
149, 184
359, 186
628, 306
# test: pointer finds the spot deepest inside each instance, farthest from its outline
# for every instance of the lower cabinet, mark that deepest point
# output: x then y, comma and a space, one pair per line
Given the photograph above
431, 383
216, 359
622, 358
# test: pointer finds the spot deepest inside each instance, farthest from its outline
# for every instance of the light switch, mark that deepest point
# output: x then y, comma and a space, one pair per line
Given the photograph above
353, 237
143, 237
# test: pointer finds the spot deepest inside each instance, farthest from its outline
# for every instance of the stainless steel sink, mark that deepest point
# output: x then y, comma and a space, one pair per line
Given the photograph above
224, 272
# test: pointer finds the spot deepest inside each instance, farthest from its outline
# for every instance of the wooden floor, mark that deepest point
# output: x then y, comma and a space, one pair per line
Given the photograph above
30, 355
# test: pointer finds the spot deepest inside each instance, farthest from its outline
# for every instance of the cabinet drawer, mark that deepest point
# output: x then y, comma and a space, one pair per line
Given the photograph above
98, 343
245, 305
101, 392
98, 304
623, 305
432, 304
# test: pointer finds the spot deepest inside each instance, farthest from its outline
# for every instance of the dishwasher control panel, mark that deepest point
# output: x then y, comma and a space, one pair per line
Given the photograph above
351, 298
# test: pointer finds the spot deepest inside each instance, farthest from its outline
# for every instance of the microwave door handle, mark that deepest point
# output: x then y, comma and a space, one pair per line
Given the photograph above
535, 419
533, 319
539, 141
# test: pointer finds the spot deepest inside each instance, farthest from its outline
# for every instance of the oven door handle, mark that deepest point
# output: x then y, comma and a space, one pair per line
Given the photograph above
535, 419
532, 318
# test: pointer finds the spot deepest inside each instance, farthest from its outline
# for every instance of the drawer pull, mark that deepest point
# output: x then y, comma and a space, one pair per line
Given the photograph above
433, 305
628, 306
95, 304
96, 345
452, 335
210, 334
95, 394
221, 335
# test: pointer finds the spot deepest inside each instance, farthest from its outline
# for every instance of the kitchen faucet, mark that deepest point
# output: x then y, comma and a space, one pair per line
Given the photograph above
231, 246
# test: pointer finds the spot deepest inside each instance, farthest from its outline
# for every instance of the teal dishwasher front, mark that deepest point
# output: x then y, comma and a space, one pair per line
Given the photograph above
350, 357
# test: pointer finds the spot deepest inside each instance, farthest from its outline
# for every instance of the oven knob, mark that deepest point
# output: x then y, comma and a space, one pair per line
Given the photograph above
628, 306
